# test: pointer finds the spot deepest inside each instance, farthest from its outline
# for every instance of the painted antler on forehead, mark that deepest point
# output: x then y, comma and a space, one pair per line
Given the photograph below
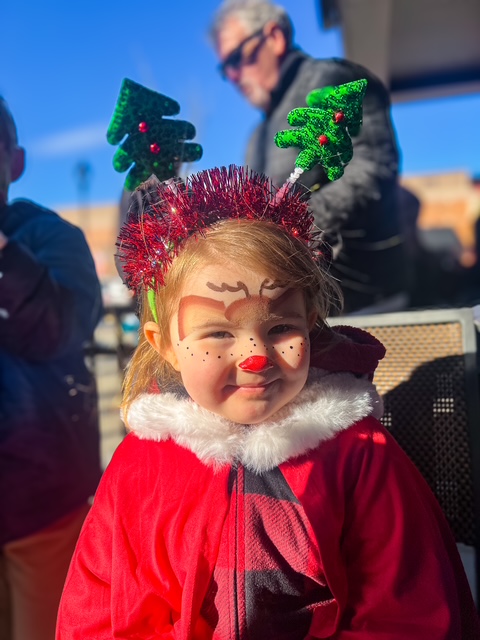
168, 213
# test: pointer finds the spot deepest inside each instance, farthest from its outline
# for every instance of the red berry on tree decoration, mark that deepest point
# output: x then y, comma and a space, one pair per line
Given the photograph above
149, 141
324, 129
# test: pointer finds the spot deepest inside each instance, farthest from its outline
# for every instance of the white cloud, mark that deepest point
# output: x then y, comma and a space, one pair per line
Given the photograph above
93, 136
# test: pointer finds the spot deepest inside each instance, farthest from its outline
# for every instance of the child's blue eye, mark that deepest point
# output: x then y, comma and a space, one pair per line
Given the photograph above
280, 328
219, 335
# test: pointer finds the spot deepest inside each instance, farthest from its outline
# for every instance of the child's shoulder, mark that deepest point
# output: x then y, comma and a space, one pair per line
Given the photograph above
146, 472
364, 452
137, 461
365, 438
360, 461
134, 451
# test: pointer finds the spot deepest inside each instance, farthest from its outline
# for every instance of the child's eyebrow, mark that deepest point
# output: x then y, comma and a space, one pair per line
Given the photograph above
214, 322
225, 324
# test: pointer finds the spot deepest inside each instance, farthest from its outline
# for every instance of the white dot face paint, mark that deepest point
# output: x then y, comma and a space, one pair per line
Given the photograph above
227, 315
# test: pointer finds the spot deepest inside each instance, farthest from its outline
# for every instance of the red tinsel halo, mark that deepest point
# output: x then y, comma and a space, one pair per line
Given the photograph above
165, 214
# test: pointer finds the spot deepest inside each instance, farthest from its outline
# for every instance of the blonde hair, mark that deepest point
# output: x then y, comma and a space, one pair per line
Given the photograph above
254, 245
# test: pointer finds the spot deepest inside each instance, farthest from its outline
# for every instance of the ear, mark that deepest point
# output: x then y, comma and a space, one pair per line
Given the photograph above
151, 331
279, 42
17, 163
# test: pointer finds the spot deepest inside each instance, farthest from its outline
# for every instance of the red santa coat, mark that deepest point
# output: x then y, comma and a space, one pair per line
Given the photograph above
315, 525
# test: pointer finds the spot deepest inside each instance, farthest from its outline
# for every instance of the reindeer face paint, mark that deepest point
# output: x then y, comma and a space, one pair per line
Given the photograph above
241, 342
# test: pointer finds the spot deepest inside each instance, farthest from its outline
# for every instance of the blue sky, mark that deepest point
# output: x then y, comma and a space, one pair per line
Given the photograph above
63, 64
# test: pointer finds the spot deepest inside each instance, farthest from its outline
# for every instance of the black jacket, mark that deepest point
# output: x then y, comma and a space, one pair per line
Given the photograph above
50, 303
359, 212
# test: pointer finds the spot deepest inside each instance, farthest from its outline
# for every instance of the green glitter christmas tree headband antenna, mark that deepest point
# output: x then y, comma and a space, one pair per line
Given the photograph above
323, 130
149, 141
325, 126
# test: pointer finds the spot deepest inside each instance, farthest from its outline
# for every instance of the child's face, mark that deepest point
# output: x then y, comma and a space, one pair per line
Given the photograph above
240, 342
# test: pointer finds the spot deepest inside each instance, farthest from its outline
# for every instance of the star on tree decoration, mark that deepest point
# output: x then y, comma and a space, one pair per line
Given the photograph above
325, 126
153, 144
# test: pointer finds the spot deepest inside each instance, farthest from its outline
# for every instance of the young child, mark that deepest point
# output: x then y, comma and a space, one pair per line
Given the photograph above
257, 496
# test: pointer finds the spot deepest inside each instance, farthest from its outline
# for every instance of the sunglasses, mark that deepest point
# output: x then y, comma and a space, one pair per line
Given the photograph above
235, 59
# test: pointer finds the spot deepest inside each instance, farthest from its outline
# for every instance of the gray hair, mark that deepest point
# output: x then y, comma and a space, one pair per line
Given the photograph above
8, 130
254, 15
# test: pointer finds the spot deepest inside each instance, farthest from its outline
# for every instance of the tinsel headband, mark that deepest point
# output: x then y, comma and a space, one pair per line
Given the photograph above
164, 214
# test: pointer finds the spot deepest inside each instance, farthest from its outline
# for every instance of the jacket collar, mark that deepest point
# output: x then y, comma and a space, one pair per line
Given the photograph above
328, 404
288, 70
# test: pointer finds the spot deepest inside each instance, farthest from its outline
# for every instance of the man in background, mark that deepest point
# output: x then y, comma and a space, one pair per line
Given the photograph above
50, 303
358, 213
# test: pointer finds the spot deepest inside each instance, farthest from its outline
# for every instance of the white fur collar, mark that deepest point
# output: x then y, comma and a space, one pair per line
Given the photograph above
329, 403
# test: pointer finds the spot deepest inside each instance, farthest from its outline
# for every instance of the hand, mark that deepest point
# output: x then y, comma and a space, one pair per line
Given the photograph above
3, 241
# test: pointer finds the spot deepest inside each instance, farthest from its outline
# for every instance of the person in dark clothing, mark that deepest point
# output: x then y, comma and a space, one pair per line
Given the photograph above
359, 213
50, 303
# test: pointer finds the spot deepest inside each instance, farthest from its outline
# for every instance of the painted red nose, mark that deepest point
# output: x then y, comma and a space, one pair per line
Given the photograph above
255, 363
